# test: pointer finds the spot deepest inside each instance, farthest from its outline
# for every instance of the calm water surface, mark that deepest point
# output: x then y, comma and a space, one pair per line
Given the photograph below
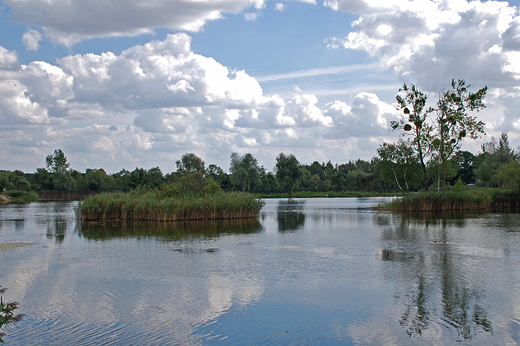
308, 272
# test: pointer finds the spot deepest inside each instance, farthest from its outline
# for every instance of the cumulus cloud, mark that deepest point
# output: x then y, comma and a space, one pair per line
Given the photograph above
418, 40
367, 116
69, 21
157, 100
31, 39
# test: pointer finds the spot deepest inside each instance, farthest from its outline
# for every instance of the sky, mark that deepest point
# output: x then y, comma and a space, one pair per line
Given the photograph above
138, 83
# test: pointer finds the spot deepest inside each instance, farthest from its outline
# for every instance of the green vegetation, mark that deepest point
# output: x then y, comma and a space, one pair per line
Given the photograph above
18, 196
427, 157
8, 317
450, 200
169, 203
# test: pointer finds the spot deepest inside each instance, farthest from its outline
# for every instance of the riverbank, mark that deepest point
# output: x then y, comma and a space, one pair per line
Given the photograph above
4, 199
154, 205
15, 196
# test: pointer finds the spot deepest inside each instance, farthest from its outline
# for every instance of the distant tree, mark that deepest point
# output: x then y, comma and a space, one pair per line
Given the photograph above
508, 175
190, 163
153, 177
218, 175
245, 172
57, 162
122, 180
58, 166
269, 183
97, 180
288, 171
21, 184
137, 178
4, 181
399, 164
465, 160
485, 174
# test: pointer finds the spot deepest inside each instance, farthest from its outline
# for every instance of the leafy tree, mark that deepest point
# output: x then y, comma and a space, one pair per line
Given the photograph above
269, 183
439, 137
465, 160
218, 175
137, 178
508, 175
43, 179
190, 163
97, 180
288, 171
412, 102
485, 174
498, 154
245, 172
211, 187
400, 165
453, 123
58, 166
4, 181
21, 184
122, 180
57, 162
153, 177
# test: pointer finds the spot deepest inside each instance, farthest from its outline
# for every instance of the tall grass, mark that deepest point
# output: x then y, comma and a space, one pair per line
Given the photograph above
505, 199
159, 206
451, 200
17, 196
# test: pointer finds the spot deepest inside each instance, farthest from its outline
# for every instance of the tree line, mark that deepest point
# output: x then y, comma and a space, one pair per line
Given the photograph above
428, 155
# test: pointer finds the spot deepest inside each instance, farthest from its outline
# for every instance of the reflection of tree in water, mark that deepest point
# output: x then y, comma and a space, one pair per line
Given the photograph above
461, 304
290, 215
57, 226
57, 229
166, 230
420, 251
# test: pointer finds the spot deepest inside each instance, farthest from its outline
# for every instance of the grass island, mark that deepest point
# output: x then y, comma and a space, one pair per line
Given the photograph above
165, 205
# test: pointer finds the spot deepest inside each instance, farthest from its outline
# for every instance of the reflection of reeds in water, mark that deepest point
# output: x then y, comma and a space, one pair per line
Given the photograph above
150, 205
166, 230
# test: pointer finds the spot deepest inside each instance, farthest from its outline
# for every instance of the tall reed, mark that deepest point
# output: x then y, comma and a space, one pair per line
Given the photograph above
474, 199
155, 205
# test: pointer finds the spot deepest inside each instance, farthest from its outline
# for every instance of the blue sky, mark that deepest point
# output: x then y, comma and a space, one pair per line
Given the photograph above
138, 83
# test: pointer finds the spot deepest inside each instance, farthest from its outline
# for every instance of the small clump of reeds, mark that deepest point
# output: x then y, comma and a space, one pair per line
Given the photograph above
163, 205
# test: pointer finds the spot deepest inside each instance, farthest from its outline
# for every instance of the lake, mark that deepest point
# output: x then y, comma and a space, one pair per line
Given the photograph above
307, 272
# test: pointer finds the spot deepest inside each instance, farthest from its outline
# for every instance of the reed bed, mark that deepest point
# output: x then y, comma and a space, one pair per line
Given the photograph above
430, 201
156, 206
505, 199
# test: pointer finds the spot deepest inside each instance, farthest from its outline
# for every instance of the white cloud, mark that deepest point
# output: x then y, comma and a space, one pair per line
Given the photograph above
366, 117
31, 39
251, 16
8, 60
279, 7
418, 40
69, 21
